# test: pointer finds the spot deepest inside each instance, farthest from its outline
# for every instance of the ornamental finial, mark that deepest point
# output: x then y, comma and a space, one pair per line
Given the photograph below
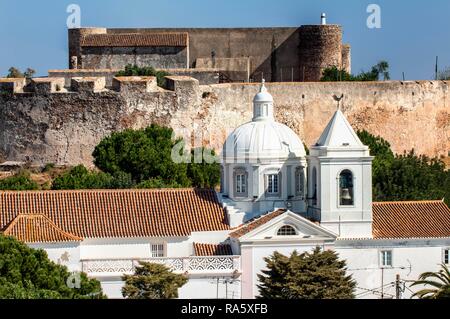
338, 100
263, 87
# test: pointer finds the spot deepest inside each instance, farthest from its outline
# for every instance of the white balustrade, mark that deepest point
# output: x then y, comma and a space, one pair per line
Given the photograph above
189, 265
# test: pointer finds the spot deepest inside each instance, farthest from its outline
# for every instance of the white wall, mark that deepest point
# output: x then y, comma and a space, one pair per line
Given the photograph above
410, 259
195, 288
209, 288
67, 254
112, 248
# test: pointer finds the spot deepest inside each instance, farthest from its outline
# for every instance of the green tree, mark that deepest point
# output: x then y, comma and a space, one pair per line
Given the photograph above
407, 176
381, 69
444, 75
158, 183
204, 168
334, 74
29, 73
145, 154
439, 282
19, 182
80, 177
310, 275
134, 70
14, 73
152, 281
379, 147
28, 273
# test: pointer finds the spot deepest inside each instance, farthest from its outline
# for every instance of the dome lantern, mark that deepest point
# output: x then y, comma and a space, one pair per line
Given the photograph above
263, 105
263, 138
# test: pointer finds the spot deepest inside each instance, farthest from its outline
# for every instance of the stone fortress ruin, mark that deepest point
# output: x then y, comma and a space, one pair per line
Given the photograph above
239, 54
61, 118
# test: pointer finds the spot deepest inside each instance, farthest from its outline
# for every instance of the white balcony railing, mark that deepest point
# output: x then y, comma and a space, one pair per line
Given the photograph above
188, 265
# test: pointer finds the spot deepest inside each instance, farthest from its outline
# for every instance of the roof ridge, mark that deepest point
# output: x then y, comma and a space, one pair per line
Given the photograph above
21, 216
250, 222
409, 202
121, 190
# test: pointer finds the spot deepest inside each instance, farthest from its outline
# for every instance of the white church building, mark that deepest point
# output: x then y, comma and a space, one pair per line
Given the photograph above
273, 197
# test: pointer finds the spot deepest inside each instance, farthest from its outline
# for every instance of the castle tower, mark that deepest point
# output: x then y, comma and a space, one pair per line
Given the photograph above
75, 36
321, 47
263, 165
340, 180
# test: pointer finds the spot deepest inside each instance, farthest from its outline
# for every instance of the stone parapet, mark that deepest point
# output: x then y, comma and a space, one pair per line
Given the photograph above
135, 84
88, 84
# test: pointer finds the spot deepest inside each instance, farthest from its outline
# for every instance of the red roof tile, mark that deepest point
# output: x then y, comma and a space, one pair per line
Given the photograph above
119, 213
212, 249
424, 219
136, 40
31, 228
255, 223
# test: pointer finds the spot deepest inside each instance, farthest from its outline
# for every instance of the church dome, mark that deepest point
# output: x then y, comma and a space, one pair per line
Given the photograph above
262, 138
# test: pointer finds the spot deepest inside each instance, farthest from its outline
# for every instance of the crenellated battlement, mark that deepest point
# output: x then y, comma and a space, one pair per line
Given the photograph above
12, 85
95, 84
53, 120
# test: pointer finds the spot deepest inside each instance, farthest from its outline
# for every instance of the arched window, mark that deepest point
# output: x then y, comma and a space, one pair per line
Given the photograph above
286, 230
346, 188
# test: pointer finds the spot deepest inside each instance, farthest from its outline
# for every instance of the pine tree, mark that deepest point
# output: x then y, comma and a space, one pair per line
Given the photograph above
27, 273
152, 281
310, 275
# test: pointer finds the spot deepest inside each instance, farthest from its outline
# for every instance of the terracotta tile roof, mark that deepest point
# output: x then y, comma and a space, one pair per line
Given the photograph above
255, 223
425, 219
31, 228
212, 249
136, 40
119, 213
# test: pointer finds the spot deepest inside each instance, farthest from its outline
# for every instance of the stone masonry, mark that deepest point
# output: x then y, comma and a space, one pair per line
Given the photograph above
44, 123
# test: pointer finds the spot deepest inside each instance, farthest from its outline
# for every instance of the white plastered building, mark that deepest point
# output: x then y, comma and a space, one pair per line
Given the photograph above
274, 197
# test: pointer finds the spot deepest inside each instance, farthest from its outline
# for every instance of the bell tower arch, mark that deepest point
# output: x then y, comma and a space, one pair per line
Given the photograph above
342, 199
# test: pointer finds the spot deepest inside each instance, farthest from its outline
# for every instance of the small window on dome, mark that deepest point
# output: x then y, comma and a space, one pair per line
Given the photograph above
286, 230
240, 182
272, 184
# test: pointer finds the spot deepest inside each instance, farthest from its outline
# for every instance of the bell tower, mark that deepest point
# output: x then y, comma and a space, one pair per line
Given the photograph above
340, 180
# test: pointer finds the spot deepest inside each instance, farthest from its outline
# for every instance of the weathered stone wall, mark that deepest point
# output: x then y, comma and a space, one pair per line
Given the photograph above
118, 57
276, 53
203, 75
64, 127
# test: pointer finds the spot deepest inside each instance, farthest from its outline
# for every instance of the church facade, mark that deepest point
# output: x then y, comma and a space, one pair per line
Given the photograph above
273, 197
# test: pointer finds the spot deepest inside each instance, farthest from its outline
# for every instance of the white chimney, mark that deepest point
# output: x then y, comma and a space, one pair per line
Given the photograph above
323, 19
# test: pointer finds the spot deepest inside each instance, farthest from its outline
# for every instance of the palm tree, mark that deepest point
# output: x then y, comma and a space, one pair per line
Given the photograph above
382, 68
441, 284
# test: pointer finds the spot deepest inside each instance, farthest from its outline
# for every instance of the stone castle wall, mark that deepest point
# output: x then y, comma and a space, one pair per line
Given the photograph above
278, 54
62, 126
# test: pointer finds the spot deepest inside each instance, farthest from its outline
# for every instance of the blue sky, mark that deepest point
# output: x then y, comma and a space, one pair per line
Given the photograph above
34, 33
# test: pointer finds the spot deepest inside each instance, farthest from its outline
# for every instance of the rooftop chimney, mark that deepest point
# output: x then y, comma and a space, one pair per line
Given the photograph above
323, 19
